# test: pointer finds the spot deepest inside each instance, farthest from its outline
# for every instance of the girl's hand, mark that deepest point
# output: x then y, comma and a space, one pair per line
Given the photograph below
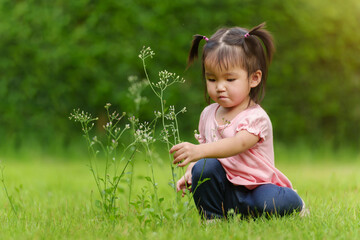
185, 181
187, 152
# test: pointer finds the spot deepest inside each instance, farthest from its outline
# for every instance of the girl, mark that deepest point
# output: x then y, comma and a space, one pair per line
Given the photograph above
236, 151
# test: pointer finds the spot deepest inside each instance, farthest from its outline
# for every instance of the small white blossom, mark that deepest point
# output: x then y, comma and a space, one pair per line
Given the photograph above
157, 114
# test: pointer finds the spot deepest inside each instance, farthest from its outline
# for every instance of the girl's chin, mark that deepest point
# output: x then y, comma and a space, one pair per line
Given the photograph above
225, 104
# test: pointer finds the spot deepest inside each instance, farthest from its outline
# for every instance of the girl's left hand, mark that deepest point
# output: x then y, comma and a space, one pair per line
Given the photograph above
187, 152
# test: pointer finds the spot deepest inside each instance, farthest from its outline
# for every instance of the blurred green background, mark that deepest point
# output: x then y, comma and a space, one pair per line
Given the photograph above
59, 55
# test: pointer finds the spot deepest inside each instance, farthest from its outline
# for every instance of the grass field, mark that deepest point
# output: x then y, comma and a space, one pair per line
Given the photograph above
53, 200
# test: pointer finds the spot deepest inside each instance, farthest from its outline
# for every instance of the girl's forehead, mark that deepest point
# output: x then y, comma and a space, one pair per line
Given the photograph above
212, 67
217, 70
224, 59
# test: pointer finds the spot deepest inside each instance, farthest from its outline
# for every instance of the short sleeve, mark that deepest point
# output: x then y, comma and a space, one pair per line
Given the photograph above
257, 124
200, 136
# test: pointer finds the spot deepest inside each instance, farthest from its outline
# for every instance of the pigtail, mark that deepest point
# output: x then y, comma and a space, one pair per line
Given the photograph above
262, 47
267, 39
193, 54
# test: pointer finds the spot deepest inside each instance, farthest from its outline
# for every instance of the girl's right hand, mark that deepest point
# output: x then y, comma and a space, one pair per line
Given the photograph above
185, 181
185, 152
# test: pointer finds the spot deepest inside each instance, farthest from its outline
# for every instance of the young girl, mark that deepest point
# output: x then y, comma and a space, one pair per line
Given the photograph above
235, 134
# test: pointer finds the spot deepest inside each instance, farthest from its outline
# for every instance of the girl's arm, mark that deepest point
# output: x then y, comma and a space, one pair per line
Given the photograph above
226, 147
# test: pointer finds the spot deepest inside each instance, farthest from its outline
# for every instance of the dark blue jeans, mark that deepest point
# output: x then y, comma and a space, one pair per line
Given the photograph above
215, 197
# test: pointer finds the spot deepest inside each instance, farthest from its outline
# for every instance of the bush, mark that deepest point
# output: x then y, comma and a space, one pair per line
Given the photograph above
59, 55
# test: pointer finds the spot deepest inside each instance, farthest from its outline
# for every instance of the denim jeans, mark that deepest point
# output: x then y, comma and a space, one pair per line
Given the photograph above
215, 197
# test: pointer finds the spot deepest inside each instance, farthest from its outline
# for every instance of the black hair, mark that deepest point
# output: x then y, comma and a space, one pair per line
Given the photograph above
227, 47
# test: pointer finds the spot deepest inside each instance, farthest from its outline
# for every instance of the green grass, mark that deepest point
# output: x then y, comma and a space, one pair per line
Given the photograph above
54, 201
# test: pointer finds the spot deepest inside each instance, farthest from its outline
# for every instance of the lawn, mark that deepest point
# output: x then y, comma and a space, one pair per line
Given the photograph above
53, 199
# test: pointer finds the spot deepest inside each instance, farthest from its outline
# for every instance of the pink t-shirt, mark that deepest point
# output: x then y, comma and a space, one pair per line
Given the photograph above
255, 166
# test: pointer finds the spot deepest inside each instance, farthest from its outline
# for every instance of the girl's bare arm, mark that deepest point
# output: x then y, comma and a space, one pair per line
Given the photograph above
226, 147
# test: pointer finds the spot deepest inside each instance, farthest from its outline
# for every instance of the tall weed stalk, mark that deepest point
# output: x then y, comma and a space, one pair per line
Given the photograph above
170, 127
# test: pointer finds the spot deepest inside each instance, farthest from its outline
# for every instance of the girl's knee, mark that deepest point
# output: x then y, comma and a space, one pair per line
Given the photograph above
276, 200
206, 168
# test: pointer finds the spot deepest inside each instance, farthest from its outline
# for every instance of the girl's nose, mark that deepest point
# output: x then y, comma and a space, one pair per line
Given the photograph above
220, 87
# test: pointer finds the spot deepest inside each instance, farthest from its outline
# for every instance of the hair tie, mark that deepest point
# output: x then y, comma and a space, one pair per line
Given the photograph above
206, 39
247, 35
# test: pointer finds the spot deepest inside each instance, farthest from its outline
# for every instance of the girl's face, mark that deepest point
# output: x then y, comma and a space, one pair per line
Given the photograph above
230, 87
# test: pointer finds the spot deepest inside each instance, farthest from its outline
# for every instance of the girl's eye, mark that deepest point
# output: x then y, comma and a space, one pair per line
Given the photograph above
211, 80
231, 79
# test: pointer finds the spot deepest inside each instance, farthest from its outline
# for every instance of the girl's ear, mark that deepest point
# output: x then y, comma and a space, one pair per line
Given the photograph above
255, 78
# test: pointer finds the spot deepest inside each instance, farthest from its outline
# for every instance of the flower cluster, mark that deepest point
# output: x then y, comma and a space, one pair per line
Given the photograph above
135, 89
85, 119
133, 120
146, 52
157, 114
172, 114
165, 135
136, 86
81, 116
108, 126
167, 79
117, 116
143, 133
107, 106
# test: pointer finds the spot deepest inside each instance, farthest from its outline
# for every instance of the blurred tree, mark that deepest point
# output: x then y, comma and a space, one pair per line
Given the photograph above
59, 55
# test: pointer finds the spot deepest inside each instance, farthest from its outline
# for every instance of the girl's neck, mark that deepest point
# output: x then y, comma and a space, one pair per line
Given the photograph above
226, 114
